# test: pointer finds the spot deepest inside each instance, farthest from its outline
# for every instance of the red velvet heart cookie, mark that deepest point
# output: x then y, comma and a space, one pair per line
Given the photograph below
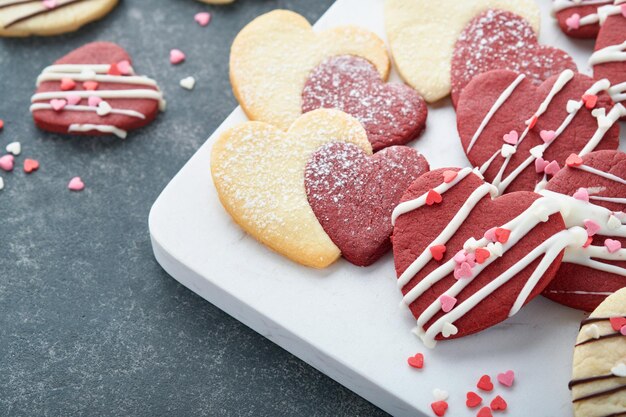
391, 113
498, 39
499, 253
578, 19
519, 134
93, 90
352, 195
609, 58
594, 190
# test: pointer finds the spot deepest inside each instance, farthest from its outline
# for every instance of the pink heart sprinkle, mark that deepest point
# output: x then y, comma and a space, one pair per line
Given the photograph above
506, 378
547, 135
491, 234
540, 165
592, 227
176, 56
552, 168
459, 258
58, 104
623, 330
49, 4
463, 271
124, 67
511, 137
203, 19
76, 184
613, 245
471, 259
573, 22
73, 99
623, 7
581, 194
93, 101
447, 302
7, 162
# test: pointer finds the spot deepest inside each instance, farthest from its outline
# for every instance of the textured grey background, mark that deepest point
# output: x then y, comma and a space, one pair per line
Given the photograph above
89, 323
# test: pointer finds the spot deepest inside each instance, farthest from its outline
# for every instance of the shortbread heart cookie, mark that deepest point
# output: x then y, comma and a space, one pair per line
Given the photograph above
593, 190
466, 261
519, 134
497, 39
609, 57
49, 17
258, 171
578, 18
274, 54
392, 113
353, 194
93, 90
422, 34
599, 367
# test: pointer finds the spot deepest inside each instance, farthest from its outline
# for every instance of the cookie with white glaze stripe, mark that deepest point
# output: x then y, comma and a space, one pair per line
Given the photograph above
578, 19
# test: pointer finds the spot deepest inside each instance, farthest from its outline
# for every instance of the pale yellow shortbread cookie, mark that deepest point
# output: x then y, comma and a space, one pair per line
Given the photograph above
258, 171
422, 34
272, 56
25, 18
603, 358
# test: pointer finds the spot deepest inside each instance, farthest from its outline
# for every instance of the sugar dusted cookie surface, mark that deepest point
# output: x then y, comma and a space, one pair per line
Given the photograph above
52, 17
273, 55
422, 34
599, 367
258, 171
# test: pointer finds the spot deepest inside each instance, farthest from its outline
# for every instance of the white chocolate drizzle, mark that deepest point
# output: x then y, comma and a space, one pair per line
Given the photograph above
611, 53
120, 133
559, 5
125, 112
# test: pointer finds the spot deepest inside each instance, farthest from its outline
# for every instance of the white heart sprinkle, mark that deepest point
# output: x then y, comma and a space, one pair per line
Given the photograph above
104, 108
440, 395
448, 330
574, 105
15, 148
1, 183
542, 213
188, 83
600, 111
507, 150
87, 74
619, 370
496, 248
604, 122
613, 222
593, 331
537, 151
470, 244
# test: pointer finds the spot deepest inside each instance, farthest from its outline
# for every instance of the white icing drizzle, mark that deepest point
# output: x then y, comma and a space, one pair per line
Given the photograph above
618, 92
559, 5
601, 173
603, 13
100, 128
609, 199
604, 124
611, 53
132, 94
125, 112
83, 76
97, 68
579, 292
499, 102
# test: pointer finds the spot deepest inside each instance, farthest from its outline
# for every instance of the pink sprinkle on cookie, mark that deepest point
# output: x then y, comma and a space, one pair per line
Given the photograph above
93, 101
76, 184
449, 176
58, 104
552, 168
437, 251
592, 227
73, 99
573, 161
511, 138
612, 245
176, 56
90, 85
433, 197
67, 84
573, 22
547, 135
203, 18
581, 194
506, 378
124, 67
447, 302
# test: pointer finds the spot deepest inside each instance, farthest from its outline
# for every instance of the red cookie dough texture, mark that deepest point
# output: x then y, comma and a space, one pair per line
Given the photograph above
418, 230
481, 96
498, 39
573, 11
609, 58
86, 88
581, 286
353, 194
392, 113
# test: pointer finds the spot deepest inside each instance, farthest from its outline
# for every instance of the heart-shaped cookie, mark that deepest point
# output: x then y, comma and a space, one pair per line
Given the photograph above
522, 234
272, 56
599, 364
568, 113
588, 274
391, 113
609, 57
258, 171
497, 39
422, 34
353, 195
93, 91
578, 19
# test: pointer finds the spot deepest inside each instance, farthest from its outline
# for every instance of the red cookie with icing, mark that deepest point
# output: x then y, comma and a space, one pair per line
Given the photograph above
588, 275
465, 261
391, 113
520, 134
609, 57
578, 19
352, 195
93, 90
498, 39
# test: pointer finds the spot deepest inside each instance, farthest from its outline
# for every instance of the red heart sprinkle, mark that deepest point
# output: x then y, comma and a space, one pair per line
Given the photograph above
439, 407
449, 176
114, 70
588, 242
498, 403
590, 100
1, 124
67, 84
532, 122
437, 251
484, 412
617, 323
502, 235
30, 165
90, 85
473, 399
416, 361
433, 197
574, 161
484, 383
482, 255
